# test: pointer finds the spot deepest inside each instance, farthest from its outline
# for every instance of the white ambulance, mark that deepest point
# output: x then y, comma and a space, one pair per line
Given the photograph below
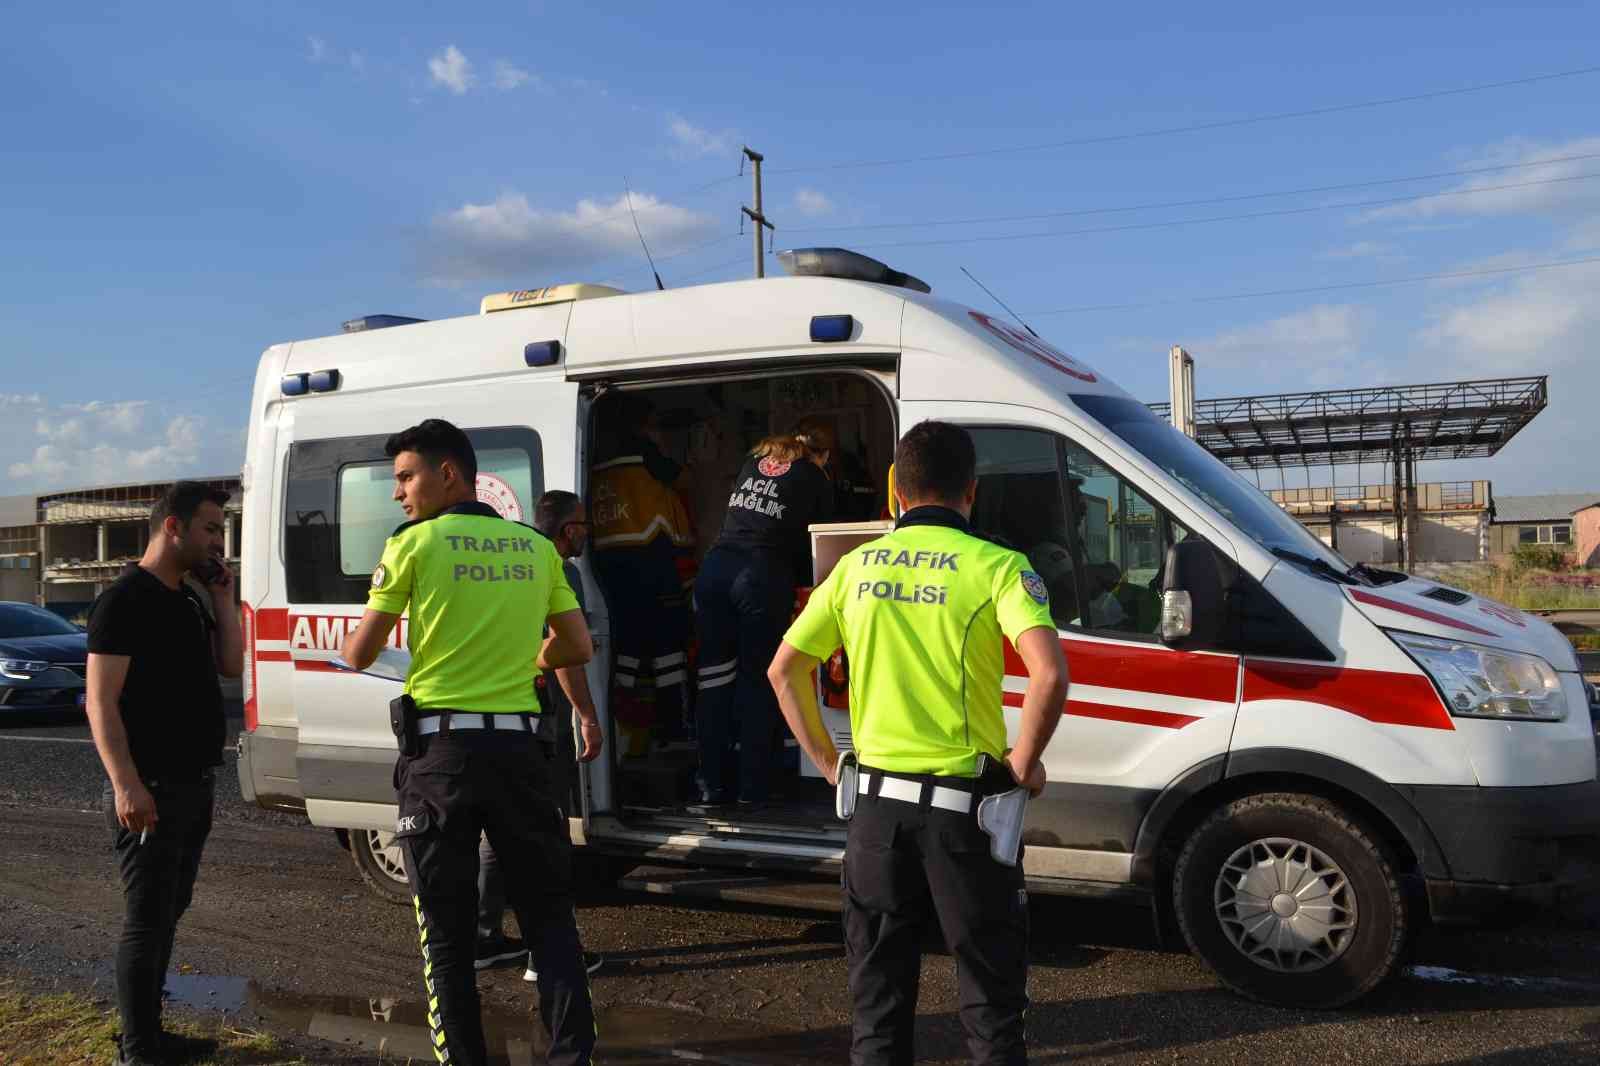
1296, 761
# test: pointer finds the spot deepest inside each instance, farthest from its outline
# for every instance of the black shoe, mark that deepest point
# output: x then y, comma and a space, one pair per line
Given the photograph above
119, 1059
497, 952
180, 1047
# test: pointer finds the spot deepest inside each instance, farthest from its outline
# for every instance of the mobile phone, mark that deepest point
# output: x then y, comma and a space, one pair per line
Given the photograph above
208, 572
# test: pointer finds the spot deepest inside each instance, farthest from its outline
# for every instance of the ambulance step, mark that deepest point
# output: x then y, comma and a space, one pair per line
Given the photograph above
734, 887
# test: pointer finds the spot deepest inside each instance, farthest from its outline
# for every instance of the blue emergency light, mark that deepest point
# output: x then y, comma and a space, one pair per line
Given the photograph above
323, 380
295, 384
830, 329
542, 353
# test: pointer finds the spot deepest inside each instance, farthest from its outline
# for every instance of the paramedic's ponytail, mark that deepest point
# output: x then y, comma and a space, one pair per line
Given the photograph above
812, 439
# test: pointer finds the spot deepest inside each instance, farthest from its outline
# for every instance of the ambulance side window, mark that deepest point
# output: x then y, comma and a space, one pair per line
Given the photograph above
339, 507
1123, 538
1096, 541
1021, 505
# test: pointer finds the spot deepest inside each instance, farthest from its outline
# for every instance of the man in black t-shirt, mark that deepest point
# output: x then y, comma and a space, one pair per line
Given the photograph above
155, 708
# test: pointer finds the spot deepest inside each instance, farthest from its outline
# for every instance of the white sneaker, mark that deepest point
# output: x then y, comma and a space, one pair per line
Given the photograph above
592, 961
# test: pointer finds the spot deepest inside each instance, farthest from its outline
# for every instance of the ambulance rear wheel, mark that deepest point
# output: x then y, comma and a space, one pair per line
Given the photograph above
380, 864
1290, 901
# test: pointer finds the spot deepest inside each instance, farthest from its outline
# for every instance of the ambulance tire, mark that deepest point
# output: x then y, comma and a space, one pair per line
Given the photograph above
1321, 848
379, 863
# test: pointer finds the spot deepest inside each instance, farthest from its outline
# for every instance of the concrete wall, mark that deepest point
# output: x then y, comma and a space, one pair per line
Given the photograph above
19, 585
1586, 536
1450, 538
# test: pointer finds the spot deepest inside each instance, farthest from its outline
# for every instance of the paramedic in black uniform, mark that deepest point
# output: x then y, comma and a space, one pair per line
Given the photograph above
155, 708
743, 600
480, 591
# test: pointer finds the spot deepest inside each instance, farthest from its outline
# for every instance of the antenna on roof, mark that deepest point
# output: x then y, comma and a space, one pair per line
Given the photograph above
999, 301
640, 232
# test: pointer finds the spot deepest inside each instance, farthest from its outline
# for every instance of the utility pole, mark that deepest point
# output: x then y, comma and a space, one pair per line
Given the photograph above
757, 219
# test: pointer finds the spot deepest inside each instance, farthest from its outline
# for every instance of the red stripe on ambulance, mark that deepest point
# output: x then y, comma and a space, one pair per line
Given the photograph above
1376, 695
1134, 668
1113, 713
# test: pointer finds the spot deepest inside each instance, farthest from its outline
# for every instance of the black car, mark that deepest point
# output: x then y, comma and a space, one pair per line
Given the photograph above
43, 660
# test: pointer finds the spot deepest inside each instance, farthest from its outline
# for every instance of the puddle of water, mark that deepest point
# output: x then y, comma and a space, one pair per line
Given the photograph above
230, 995
1447, 976
398, 1027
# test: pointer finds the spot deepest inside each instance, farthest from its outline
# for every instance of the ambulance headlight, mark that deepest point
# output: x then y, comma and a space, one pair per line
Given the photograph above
1480, 682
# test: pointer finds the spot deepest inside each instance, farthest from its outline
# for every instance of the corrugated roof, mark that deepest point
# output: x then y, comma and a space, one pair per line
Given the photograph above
1549, 508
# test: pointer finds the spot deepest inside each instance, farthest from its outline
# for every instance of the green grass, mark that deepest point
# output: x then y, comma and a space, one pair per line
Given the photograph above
66, 1029
1529, 590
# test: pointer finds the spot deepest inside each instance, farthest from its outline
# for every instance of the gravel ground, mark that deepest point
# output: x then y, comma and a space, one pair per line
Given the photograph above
282, 934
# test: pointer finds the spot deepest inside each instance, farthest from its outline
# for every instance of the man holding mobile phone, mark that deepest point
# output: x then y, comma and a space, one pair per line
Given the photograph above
154, 705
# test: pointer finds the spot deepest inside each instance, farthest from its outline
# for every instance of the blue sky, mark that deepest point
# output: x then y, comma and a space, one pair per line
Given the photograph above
186, 184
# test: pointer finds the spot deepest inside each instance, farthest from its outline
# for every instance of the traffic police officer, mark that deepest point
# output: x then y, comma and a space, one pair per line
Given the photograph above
921, 613
480, 591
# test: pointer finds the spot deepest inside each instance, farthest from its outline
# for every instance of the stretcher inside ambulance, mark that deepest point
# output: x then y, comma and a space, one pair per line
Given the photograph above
1298, 763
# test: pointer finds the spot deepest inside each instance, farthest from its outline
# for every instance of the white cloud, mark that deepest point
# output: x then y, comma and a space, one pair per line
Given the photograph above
1318, 340
1379, 250
811, 203
508, 77
1560, 196
319, 50
512, 240
452, 70
105, 442
696, 140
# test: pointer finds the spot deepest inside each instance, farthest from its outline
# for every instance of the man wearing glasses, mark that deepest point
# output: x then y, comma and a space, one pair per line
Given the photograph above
560, 516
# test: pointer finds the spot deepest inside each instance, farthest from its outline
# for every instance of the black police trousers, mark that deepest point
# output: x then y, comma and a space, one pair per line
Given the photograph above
905, 864
497, 782
157, 884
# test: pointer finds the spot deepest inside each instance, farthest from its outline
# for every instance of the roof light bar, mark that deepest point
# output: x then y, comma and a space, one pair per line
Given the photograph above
368, 322
848, 265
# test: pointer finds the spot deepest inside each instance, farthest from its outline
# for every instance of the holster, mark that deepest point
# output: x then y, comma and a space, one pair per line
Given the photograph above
848, 775
403, 717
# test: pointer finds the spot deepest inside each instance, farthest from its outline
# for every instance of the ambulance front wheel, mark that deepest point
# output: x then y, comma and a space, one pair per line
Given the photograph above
380, 864
1291, 901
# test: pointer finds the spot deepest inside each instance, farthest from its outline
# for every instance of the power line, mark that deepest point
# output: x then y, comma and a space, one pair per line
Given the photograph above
1112, 138
1308, 190
1274, 213
1302, 290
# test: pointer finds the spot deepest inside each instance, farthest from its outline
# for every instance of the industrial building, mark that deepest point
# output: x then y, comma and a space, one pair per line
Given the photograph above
1452, 520
63, 549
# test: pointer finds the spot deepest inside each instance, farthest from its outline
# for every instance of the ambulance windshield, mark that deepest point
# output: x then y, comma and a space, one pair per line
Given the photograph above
1241, 503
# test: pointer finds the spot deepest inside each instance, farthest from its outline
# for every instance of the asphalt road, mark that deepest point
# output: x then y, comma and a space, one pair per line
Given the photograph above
282, 935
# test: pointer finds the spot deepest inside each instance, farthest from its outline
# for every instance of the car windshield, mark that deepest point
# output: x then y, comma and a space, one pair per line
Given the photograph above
1241, 503
26, 620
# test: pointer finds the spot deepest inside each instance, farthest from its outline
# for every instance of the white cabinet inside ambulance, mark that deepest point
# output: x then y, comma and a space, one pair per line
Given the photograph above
1296, 762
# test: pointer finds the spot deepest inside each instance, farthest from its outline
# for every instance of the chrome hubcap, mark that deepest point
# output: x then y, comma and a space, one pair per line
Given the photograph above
1285, 905
386, 853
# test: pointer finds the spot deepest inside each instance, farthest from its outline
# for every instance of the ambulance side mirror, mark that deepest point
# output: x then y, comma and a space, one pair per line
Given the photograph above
1194, 592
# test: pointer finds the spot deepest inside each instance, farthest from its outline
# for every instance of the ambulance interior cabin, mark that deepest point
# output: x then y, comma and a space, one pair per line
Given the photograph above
708, 429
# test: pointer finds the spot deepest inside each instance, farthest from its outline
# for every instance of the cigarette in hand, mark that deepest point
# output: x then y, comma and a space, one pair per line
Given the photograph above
142, 834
